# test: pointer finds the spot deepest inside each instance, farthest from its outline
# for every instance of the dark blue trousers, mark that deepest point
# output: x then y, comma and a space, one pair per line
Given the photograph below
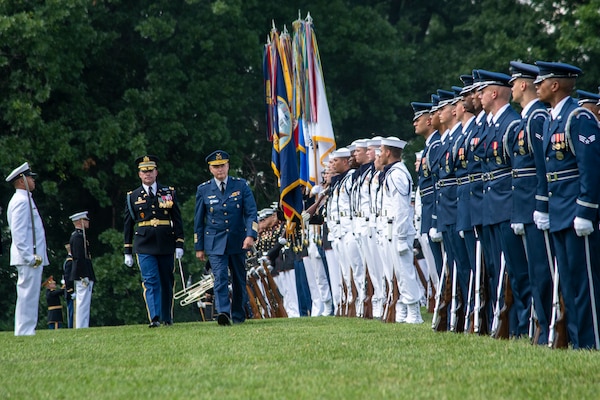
222, 266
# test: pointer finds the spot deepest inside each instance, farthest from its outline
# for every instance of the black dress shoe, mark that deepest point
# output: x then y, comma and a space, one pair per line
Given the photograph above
154, 324
223, 319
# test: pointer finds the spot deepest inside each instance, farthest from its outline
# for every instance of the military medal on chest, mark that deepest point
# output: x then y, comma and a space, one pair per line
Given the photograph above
461, 157
521, 142
495, 151
447, 162
424, 167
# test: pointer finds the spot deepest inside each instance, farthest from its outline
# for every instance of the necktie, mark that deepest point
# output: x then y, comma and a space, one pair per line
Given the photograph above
222, 187
150, 192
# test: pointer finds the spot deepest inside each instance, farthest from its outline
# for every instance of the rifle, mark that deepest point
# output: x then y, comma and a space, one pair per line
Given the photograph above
252, 278
274, 289
502, 331
395, 296
454, 304
496, 319
431, 297
439, 322
275, 313
557, 336
468, 327
252, 301
351, 305
368, 302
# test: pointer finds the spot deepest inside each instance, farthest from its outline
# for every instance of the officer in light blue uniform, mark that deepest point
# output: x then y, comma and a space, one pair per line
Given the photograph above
225, 227
572, 149
497, 195
524, 146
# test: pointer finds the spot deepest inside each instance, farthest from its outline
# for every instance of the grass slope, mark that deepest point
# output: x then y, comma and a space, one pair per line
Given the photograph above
305, 358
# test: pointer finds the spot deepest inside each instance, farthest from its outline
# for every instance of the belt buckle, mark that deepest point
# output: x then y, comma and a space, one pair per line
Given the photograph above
154, 222
515, 173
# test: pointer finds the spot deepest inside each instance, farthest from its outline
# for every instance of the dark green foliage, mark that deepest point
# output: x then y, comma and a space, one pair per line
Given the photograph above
87, 86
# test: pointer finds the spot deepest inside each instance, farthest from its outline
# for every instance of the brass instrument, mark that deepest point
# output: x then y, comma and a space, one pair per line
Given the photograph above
194, 293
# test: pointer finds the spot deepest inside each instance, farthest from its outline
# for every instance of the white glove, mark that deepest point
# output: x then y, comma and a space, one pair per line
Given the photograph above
128, 260
305, 216
435, 235
542, 220
282, 241
461, 234
583, 227
402, 247
316, 190
178, 253
73, 295
518, 228
263, 260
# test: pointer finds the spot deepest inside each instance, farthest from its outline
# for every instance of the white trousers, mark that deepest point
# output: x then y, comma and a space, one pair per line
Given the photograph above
28, 297
335, 277
83, 301
286, 281
428, 254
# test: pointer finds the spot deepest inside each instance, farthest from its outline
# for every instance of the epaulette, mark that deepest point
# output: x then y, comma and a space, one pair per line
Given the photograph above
171, 188
205, 183
131, 191
235, 178
69, 259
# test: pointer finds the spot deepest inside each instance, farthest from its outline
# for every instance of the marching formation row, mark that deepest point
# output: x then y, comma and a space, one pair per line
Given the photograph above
506, 213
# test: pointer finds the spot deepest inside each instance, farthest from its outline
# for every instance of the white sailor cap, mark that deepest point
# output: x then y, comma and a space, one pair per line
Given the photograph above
374, 141
342, 152
79, 215
362, 143
21, 170
393, 141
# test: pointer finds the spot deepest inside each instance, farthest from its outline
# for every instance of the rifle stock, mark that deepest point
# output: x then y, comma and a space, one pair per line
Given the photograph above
502, 331
252, 301
368, 303
280, 310
395, 296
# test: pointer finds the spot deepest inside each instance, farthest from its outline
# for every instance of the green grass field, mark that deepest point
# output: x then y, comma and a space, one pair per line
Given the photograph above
304, 358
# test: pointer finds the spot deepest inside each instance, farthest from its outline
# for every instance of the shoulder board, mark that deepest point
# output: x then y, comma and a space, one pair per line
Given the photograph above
69, 258
131, 191
171, 187
205, 183
235, 178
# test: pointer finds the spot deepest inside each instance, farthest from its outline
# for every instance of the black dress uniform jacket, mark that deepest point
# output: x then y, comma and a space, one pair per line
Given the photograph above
82, 261
159, 225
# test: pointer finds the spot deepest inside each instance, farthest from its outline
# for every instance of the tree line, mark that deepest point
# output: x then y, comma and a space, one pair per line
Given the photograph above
88, 86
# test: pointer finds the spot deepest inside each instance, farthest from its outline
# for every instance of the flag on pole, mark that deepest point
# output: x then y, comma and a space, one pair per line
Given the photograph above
284, 159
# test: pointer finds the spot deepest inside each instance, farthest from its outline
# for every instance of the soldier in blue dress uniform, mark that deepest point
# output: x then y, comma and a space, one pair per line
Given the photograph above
153, 211
225, 227
524, 146
497, 188
589, 100
572, 149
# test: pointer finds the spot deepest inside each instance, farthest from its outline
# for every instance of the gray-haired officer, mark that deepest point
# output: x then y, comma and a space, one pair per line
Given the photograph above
153, 208
27, 250
82, 272
572, 151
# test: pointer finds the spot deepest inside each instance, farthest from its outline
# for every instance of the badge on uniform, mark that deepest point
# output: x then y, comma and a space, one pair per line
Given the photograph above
588, 139
139, 201
235, 194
